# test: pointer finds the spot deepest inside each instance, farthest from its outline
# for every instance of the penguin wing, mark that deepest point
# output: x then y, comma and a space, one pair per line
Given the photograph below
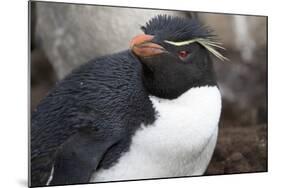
79, 157
83, 116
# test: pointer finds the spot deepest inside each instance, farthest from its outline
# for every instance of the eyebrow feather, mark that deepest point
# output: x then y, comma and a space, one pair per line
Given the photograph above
208, 43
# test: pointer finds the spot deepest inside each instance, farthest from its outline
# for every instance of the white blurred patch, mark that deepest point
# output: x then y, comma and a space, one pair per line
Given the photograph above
244, 40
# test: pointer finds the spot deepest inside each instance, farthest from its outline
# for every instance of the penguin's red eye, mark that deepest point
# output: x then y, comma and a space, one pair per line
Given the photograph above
183, 54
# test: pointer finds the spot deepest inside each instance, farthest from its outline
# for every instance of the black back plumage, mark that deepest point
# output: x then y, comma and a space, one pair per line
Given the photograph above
106, 95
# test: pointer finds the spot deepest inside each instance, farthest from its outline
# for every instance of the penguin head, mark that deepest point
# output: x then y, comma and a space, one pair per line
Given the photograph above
175, 53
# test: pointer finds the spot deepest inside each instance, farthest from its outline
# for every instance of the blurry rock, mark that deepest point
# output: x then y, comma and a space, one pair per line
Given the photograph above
239, 150
237, 156
237, 163
73, 34
244, 88
42, 76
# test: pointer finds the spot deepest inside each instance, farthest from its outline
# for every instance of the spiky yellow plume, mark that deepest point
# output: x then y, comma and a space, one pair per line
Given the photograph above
207, 43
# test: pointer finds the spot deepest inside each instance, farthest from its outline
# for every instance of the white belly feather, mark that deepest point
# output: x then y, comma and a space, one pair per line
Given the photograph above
179, 143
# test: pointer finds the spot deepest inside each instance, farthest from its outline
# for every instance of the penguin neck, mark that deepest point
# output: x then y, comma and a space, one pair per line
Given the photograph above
161, 83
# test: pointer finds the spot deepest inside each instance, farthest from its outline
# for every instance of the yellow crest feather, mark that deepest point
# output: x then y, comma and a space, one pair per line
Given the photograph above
206, 43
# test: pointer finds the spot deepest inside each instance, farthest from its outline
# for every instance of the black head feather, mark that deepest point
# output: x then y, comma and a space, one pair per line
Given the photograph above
176, 28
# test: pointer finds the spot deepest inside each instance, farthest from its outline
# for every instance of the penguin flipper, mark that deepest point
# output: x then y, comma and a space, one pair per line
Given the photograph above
79, 157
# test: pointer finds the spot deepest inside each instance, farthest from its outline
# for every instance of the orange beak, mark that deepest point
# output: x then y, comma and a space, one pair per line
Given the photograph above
142, 46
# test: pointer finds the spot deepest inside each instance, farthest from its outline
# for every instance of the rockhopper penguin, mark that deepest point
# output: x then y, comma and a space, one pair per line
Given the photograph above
149, 112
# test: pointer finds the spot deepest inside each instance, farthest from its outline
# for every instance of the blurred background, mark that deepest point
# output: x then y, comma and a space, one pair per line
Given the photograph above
64, 36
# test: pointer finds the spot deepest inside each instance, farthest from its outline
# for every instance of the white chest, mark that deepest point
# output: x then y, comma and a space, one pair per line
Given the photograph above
179, 143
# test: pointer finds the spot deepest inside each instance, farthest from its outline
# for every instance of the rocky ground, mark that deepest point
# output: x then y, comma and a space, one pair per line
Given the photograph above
240, 150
